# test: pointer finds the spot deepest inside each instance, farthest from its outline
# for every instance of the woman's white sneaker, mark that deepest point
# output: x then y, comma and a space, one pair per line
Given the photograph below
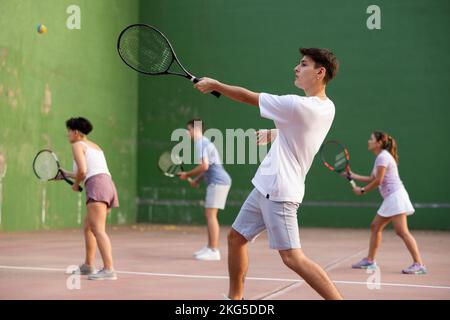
103, 275
209, 255
200, 251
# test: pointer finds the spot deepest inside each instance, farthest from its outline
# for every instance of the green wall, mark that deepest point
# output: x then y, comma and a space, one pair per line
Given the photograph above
394, 79
46, 79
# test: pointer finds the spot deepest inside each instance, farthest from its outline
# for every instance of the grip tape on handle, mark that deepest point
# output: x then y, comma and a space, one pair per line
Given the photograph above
70, 181
214, 93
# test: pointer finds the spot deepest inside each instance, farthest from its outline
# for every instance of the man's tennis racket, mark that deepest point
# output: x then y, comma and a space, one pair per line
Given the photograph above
46, 167
170, 164
147, 50
335, 157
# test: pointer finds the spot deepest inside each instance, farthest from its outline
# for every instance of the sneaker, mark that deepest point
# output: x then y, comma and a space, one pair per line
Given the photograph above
103, 275
415, 268
364, 264
84, 270
226, 297
209, 255
200, 251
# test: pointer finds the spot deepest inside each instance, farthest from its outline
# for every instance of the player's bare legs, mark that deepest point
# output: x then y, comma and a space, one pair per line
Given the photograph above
213, 227
97, 212
401, 229
90, 243
376, 229
237, 264
311, 272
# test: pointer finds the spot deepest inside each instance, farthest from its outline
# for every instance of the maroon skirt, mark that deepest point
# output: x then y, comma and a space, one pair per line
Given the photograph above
101, 188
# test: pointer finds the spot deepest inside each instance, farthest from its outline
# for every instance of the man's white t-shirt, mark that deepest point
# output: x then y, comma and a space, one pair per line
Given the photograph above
302, 123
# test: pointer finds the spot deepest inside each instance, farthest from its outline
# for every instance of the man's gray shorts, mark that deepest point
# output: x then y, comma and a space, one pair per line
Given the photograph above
279, 218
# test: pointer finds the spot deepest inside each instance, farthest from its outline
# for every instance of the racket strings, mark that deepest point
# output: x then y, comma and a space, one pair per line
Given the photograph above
168, 166
173, 169
146, 50
46, 166
335, 156
340, 161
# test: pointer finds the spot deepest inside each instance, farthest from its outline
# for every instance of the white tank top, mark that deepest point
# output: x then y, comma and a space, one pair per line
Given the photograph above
95, 162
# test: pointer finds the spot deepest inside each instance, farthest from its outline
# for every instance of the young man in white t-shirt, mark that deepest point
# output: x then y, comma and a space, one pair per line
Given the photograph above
302, 124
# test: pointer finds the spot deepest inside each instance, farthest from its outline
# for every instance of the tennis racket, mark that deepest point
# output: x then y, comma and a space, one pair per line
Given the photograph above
147, 50
336, 158
170, 164
46, 167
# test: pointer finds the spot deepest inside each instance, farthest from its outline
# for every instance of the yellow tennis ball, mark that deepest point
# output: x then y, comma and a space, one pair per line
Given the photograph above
41, 29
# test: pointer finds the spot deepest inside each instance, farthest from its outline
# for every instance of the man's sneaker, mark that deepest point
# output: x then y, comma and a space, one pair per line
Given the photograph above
364, 264
84, 269
103, 275
209, 255
415, 268
200, 251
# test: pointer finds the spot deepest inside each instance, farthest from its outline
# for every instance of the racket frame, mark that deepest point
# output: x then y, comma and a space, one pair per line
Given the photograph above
186, 75
171, 175
58, 166
347, 160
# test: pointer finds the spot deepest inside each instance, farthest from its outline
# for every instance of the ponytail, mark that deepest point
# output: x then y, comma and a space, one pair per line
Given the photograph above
391, 146
388, 143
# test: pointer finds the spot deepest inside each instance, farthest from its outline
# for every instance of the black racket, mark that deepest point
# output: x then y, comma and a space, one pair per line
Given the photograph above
46, 167
336, 158
170, 164
147, 50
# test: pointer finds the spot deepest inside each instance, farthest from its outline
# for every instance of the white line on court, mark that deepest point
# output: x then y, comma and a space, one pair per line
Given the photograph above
295, 285
193, 276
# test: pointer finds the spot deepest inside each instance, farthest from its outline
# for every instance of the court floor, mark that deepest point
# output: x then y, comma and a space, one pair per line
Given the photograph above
155, 262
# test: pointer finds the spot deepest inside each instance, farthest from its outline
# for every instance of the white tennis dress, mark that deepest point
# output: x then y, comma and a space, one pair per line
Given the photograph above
396, 199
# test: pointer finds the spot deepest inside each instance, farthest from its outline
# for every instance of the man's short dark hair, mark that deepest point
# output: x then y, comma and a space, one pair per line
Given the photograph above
191, 123
323, 58
81, 124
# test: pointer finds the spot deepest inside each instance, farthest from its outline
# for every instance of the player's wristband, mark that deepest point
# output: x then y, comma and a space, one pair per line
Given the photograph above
363, 190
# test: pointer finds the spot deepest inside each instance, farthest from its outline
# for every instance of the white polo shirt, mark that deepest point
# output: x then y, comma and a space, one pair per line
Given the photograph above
302, 123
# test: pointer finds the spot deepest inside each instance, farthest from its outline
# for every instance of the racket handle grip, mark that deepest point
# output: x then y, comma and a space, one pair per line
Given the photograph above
80, 189
214, 93
349, 178
71, 182
352, 182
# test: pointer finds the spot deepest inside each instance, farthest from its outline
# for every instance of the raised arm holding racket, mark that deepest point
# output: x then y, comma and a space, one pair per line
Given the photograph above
147, 50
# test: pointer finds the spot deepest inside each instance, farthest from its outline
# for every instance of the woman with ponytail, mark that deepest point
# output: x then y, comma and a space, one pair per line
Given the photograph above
396, 205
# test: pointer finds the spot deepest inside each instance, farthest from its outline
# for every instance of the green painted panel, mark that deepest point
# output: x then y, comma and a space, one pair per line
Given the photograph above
394, 79
48, 78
